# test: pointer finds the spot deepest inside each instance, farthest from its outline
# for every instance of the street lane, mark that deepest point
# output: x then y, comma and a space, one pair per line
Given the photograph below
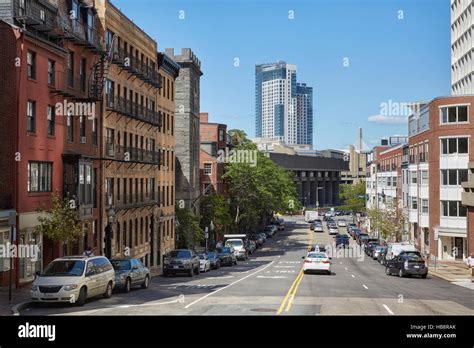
271, 283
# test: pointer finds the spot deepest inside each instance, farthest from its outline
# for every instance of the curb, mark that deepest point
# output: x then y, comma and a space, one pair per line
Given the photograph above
442, 277
20, 307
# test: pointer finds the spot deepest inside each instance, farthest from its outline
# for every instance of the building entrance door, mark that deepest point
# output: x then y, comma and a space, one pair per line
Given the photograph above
458, 248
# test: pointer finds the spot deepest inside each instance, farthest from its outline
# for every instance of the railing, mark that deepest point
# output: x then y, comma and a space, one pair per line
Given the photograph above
72, 86
133, 110
131, 154
135, 200
77, 31
136, 66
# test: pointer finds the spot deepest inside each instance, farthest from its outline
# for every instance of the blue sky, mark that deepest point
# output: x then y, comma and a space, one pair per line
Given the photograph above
402, 60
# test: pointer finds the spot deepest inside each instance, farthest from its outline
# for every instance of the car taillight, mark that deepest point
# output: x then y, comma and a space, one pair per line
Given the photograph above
307, 261
327, 261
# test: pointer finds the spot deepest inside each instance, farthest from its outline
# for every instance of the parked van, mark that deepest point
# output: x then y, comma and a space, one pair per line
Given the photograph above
74, 279
237, 242
395, 249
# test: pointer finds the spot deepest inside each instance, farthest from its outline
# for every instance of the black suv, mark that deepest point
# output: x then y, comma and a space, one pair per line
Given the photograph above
181, 261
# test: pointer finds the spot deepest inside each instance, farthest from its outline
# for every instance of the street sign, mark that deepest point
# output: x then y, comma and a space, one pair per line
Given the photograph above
206, 234
436, 234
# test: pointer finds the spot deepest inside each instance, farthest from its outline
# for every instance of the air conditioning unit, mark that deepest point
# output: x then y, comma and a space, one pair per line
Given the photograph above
42, 16
83, 140
110, 152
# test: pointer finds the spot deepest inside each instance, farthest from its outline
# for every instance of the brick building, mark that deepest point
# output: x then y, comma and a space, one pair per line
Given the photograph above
214, 142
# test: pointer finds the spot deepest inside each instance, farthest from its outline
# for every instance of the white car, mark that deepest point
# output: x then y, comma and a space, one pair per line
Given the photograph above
317, 261
74, 279
341, 223
204, 263
395, 249
318, 228
333, 230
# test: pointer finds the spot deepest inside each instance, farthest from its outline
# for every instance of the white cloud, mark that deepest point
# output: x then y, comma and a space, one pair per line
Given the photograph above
389, 120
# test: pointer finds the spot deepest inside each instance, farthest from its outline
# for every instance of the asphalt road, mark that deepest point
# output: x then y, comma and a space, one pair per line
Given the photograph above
271, 282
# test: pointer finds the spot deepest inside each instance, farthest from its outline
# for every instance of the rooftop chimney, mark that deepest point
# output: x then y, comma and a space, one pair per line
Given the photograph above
360, 138
204, 117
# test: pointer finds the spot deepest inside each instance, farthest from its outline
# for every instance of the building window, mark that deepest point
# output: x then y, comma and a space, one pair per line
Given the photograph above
40, 176
31, 64
86, 184
207, 168
453, 177
453, 209
70, 128
94, 234
109, 191
413, 177
94, 132
50, 118
82, 74
454, 114
51, 72
423, 177
414, 203
454, 145
31, 116
221, 135
82, 129
207, 189
424, 206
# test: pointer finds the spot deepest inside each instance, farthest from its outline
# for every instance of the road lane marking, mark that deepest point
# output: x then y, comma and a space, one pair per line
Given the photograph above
300, 275
346, 268
388, 309
273, 277
226, 277
290, 302
285, 266
353, 276
365, 286
225, 287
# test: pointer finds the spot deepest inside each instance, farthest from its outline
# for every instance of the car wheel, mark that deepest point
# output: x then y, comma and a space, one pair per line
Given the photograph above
108, 291
401, 274
424, 276
146, 282
328, 272
128, 285
387, 271
81, 300
235, 263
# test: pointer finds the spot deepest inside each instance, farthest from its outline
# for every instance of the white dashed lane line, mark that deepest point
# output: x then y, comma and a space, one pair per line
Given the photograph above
365, 286
388, 309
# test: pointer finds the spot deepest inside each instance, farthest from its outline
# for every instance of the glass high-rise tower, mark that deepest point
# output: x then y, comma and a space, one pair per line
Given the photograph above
283, 107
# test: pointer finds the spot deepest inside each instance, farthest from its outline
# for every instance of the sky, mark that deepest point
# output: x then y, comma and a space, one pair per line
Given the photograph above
358, 55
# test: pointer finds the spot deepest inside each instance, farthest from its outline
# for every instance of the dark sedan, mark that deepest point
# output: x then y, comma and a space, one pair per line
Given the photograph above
226, 256
407, 264
214, 260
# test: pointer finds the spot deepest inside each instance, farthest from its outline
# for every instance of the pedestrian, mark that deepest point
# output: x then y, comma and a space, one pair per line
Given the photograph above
88, 252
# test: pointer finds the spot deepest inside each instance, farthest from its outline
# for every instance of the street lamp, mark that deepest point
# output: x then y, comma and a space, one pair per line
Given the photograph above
109, 232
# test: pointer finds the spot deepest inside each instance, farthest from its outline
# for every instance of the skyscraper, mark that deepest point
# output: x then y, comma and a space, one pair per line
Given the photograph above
462, 65
283, 108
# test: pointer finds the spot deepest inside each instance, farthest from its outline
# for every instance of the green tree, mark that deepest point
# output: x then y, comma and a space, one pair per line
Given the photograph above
188, 231
394, 220
60, 222
216, 209
353, 197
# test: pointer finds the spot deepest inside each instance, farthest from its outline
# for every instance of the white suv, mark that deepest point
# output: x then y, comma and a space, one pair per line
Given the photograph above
74, 279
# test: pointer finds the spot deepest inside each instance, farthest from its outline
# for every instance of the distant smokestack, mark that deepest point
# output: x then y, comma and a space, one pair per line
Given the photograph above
360, 138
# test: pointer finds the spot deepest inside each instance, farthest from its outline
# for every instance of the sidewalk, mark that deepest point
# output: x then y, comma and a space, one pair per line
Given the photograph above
18, 296
455, 272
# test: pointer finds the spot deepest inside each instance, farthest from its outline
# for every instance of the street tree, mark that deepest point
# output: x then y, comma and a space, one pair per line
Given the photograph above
188, 231
353, 197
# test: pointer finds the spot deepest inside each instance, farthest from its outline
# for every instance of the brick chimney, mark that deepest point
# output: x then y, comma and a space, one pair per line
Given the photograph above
204, 117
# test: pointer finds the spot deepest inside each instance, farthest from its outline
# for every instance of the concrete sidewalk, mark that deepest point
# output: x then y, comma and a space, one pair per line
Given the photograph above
455, 272
19, 296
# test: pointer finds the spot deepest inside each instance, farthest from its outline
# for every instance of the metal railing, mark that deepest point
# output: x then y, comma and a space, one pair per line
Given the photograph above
133, 110
135, 200
136, 66
131, 154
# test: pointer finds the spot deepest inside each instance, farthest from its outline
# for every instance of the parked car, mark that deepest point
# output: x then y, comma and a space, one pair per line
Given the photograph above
280, 224
350, 229
370, 247
407, 264
130, 272
377, 250
396, 248
264, 236
360, 237
341, 223
381, 256
204, 263
251, 246
317, 261
269, 231
227, 256
341, 240
311, 226
181, 261
214, 260
74, 279
239, 246
258, 239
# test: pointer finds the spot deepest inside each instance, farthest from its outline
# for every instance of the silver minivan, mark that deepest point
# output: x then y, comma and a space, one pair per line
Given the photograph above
74, 279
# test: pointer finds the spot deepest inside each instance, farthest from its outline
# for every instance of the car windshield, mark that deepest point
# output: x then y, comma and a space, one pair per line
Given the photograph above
412, 257
211, 255
70, 268
121, 265
180, 254
316, 256
234, 243
202, 256
223, 250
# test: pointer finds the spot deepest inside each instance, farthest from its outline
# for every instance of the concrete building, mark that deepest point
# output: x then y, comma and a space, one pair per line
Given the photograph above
317, 178
283, 107
187, 124
462, 65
